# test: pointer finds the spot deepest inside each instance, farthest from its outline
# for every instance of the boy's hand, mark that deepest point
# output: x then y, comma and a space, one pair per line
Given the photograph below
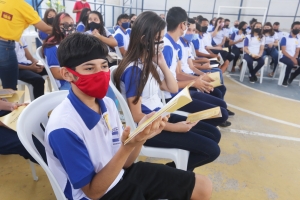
203, 86
206, 78
185, 126
15, 106
150, 131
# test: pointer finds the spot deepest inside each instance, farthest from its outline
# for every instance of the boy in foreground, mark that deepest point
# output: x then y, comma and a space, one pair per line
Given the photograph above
85, 138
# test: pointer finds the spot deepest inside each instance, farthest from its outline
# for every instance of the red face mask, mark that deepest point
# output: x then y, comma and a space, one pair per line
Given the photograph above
94, 85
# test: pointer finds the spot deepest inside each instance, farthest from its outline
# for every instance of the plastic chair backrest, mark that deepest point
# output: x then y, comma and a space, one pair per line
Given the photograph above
124, 106
28, 124
40, 57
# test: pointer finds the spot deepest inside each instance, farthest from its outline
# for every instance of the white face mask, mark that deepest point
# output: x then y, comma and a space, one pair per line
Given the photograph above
184, 32
159, 47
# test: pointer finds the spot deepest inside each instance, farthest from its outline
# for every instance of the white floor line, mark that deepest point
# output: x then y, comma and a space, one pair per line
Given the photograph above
270, 94
244, 132
264, 116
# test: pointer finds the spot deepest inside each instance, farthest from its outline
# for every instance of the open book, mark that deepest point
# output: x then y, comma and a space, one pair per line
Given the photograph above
213, 65
180, 100
226, 49
16, 97
5, 93
217, 79
220, 60
205, 114
10, 120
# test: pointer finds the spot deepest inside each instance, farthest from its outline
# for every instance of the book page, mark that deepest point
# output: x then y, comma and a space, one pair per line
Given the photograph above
10, 120
205, 114
216, 77
225, 49
180, 100
211, 59
5, 92
213, 65
16, 97
221, 61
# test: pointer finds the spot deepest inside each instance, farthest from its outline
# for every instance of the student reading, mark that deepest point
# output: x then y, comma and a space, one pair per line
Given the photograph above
84, 138
140, 76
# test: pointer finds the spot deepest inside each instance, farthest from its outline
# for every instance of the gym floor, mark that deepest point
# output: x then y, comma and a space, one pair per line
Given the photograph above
259, 158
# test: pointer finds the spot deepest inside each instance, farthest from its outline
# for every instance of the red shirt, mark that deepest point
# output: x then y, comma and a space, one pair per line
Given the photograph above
78, 6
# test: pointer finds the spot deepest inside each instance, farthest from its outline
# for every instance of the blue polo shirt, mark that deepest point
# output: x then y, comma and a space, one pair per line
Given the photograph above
172, 57
52, 61
79, 142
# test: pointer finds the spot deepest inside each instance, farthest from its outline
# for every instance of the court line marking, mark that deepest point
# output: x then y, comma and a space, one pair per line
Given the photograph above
270, 94
244, 132
264, 116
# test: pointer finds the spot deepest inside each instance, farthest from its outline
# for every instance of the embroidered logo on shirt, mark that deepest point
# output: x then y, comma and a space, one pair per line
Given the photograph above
7, 16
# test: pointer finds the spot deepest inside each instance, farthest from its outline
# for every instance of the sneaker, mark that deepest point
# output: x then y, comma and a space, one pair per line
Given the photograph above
284, 84
225, 124
252, 79
291, 78
230, 113
255, 78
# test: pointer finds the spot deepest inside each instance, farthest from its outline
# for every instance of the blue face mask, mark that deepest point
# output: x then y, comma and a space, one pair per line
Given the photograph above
126, 25
188, 37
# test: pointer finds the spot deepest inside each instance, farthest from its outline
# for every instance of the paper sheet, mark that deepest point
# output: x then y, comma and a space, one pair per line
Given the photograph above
10, 120
206, 114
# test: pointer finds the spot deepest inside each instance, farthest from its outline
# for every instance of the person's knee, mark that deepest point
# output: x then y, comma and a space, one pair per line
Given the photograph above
202, 189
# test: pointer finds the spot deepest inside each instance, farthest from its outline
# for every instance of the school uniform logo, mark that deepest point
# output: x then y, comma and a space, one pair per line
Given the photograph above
7, 16
115, 136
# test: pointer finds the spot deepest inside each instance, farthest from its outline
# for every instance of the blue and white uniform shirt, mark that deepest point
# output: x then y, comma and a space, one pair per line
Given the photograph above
254, 43
19, 49
235, 37
79, 143
122, 38
291, 44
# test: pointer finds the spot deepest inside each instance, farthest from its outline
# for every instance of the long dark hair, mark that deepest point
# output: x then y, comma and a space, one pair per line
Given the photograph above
101, 29
84, 14
241, 26
216, 22
260, 35
57, 35
272, 30
142, 47
45, 19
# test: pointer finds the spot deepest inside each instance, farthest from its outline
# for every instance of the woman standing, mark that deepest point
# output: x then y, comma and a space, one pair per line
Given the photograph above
16, 16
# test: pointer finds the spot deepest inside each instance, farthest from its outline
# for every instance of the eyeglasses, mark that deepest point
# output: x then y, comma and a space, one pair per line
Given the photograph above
67, 25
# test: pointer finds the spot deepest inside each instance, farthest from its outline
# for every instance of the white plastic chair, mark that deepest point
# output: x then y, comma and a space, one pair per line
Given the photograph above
39, 55
179, 156
29, 124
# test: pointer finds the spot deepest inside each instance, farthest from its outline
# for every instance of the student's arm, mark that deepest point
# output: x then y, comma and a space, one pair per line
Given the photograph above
215, 32
193, 68
297, 53
223, 42
29, 56
5, 105
182, 76
276, 42
42, 26
200, 54
122, 50
261, 51
51, 57
110, 41
168, 83
246, 44
120, 41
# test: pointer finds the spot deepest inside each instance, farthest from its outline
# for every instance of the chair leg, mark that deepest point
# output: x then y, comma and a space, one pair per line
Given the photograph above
282, 74
243, 70
261, 74
34, 176
182, 159
30, 88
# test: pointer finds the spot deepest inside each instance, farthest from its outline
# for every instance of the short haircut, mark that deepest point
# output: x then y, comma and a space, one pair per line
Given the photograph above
123, 16
276, 23
175, 16
79, 45
294, 24
203, 19
191, 21
199, 17
226, 20
198, 27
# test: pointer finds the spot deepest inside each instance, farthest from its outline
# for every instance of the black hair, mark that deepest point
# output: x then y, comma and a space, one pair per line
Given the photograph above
294, 24
241, 25
101, 29
45, 19
199, 17
122, 16
203, 19
198, 27
270, 25
79, 45
191, 21
226, 20
175, 16
253, 20
84, 15
276, 23
211, 21
216, 22
260, 35
131, 15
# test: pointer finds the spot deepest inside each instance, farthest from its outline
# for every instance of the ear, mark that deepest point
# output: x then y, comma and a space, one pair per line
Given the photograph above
66, 75
143, 40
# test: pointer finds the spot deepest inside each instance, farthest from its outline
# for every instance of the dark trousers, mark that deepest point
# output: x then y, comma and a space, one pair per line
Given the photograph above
225, 55
289, 66
202, 101
201, 141
35, 79
8, 65
273, 52
249, 60
10, 143
237, 53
